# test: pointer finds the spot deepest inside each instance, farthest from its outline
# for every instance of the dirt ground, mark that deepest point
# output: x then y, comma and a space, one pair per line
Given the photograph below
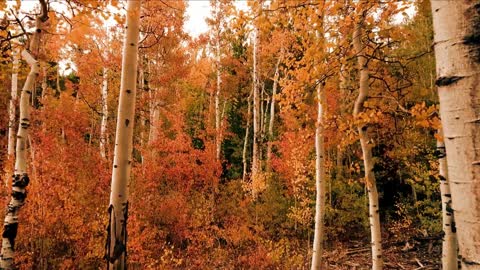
408, 251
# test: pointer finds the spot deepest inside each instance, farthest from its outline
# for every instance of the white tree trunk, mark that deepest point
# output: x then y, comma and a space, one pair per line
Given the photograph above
319, 183
245, 141
374, 216
449, 244
122, 163
457, 53
103, 126
272, 113
12, 109
20, 178
256, 112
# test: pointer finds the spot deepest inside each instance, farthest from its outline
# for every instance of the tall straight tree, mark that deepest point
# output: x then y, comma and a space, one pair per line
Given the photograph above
12, 108
218, 132
122, 163
449, 243
365, 143
256, 166
319, 182
319, 153
457, 51
20, 178
271, 122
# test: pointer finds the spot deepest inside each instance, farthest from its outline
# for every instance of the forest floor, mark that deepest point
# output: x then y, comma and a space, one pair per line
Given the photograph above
407, 251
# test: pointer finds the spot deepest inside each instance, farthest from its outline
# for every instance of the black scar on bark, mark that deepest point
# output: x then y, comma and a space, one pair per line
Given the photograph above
447, 80
10, 232
473, 38
468, 262
127, 122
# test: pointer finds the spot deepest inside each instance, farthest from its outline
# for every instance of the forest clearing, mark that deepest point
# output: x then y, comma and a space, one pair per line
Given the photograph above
226, 134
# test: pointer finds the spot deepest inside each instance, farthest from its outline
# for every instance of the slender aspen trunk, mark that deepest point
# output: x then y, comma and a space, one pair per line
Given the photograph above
20, 178
116, 247
142, 88
103, 126
272, 114
218, 132
245, 141
12, 109
319, 183
262, 111
374, 216
256, 111
340, 170
457, 53
449, 244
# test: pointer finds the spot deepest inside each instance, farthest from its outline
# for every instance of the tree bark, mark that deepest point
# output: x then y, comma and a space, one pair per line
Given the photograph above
245, 141
20, 178
256, 114
272, 113
122, 163
374, 216
12, 109
449, 244
319, 183
103, 125
457, 52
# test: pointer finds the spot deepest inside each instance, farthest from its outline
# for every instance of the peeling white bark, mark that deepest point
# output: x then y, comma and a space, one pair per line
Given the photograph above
122, 163
457, 52
374, 216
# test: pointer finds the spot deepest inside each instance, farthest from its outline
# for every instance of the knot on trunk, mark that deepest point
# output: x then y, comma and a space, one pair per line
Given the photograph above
10, 232
20, 181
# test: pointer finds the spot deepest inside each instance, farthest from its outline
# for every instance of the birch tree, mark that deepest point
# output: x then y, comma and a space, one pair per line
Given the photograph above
20, 177
218, 135
319, 182
12, 108
271, 121
245, 141
320, 179
449, 243
366, 145
116, 246
457, 51
256, 111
